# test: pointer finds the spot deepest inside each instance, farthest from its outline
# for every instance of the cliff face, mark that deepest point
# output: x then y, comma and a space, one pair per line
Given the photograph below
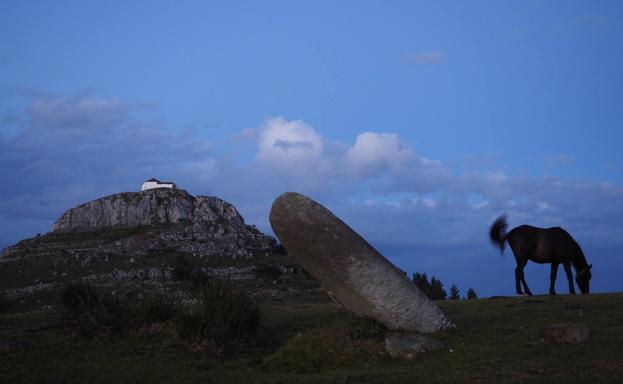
150, 207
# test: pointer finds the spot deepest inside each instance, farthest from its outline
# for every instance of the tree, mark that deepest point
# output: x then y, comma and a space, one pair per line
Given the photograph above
436, 290
471, 294
421, 281
433, 289
454, 292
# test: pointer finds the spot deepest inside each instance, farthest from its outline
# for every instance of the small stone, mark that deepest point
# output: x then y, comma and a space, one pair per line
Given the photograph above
565, 333
408, 346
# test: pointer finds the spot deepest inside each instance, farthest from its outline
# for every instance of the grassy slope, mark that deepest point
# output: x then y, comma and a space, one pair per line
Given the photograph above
495, 341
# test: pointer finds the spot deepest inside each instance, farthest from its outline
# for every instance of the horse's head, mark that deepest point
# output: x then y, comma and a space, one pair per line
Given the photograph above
583, 277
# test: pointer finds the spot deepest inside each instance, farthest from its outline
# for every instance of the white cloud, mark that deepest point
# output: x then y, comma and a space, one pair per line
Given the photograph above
374, 153
289, 144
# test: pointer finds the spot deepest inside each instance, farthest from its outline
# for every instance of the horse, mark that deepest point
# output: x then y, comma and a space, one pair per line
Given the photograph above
542, 245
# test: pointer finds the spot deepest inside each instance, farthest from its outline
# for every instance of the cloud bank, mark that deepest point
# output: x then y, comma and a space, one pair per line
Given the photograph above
422, 213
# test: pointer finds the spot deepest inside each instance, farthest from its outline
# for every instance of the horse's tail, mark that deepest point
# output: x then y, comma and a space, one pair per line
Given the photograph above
498, 232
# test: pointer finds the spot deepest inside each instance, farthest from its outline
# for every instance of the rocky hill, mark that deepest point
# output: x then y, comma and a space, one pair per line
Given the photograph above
151, 241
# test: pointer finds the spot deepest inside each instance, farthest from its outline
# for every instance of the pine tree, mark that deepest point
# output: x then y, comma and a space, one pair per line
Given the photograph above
436, 290
471, 294
454, 293
421, 281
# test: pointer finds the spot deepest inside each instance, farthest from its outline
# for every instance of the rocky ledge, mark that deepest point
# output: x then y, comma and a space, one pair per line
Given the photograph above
150, 207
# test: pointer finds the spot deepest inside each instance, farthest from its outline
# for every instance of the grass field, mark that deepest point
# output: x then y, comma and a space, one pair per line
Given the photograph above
496, 340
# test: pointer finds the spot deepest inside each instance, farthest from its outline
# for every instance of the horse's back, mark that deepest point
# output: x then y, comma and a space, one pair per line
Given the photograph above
562, 240
541, 245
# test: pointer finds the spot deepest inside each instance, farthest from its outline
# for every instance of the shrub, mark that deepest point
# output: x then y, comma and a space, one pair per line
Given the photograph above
91, 313
155, 309
79, 298
182, 268
225, 316
200, 277
325, 348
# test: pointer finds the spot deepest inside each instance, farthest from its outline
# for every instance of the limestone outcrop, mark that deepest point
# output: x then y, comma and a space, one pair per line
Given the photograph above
352, 271
149, 207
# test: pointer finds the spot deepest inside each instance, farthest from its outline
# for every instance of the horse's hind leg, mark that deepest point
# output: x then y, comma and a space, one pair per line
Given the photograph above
552, 278
518, 274
525, 286
519, 278
569, 277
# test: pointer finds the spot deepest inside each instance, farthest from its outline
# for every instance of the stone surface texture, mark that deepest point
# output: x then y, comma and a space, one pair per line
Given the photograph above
565, 333
150, 207
408, 346
351, 270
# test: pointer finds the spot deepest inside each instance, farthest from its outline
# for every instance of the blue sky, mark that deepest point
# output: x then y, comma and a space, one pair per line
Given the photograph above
417, 122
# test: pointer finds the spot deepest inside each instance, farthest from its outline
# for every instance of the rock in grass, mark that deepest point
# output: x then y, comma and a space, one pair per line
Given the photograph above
565, 333
408, 346
354, 274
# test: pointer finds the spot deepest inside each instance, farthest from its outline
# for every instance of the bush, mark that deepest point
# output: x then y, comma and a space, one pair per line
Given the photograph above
225, 316
182, 269
92, 313
156, 309
323, 348
79, 298
200, 277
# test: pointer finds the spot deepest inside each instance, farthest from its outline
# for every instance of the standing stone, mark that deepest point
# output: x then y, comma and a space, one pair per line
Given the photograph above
353, 272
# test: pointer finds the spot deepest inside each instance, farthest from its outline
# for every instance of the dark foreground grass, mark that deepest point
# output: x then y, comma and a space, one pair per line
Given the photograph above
496, 340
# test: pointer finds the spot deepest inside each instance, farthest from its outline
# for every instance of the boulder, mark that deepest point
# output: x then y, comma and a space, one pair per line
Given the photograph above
565, 333
408, 346
351, 270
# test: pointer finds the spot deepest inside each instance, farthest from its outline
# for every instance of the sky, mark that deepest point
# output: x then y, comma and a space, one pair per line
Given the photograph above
417, 123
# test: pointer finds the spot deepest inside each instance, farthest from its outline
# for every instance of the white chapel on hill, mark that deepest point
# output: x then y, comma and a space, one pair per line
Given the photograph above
155, 183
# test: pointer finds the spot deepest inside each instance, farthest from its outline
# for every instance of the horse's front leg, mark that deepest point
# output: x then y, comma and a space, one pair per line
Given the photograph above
570, 278
552, 278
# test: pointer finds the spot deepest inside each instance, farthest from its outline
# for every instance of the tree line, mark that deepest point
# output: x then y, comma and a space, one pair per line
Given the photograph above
434, 289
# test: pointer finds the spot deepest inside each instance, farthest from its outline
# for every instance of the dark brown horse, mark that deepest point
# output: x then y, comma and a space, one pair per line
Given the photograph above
543, 245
